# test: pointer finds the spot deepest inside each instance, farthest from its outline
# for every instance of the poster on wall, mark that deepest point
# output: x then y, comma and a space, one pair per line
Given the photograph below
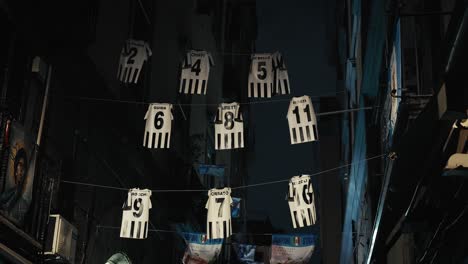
16, 196
200, 249
296, 249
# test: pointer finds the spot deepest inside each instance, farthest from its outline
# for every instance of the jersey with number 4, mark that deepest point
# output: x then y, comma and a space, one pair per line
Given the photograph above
302, 121
195, 72
218, 222
158, 126
229, 127
134, 53
135, 214
261, 75
301, 201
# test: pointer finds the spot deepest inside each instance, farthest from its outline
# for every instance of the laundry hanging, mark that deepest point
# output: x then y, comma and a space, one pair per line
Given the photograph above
195, 72
132, 57
158, 125
229, 127
301, 201
135, 214
301, 120
218, 221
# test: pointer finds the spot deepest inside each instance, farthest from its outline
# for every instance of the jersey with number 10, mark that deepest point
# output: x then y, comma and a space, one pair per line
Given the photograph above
134, 53
229, 127
302, 121
301, 201
195, 72
218, 222
158, 126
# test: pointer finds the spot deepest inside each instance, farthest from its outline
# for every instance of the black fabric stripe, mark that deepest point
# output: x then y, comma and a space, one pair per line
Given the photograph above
123, 76
203, 87
314, 127
259, 89
129, 74
132, 227
286, 86
190, 86
252, 89
210, 233
166, 140
159, 144
119, 73
196, 88
301, 134
146, 139
296, 221
265, 87
233, 145
308, 133
294, 135
182, 87
224, 229
219, 140
145, 229
154, 140
309, 211
239, 136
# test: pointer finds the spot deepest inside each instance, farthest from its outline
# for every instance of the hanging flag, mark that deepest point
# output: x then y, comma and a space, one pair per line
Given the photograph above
250, 254
200, 249
292, 249
229, 127
301, 201
158, 126
218, 222
195, 72
135, 214
132, 57
261, 75
235, 209
302, 121
213, 170
281, 75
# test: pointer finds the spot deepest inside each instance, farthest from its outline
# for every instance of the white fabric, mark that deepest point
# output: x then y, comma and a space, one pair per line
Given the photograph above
158, 125
218, 223
132, 57
281, 75
229, 127
302, 121
261, 75
195, 72
301, 201
135, 214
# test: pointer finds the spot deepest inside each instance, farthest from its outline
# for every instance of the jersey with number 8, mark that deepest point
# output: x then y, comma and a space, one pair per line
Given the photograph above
229, 127
302, 121
158, 125
218, 223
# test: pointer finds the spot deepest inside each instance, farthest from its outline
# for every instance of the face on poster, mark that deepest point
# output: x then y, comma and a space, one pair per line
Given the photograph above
16, 196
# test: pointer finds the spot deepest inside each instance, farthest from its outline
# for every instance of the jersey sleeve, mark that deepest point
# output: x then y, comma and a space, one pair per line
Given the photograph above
147, 112
289, 108
148, 50
150, 205
171, 110
207, 205
219, 114
210, 60
238, 113
187, 60
291, 191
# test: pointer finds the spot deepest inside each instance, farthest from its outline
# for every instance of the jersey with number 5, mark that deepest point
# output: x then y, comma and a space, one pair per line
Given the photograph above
135, 214
229, 127
158, 125
218, 222
195, 72
261, 75
134, 53
302, 121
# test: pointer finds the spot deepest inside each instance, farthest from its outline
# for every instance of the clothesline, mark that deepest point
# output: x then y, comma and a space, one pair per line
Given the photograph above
233, 188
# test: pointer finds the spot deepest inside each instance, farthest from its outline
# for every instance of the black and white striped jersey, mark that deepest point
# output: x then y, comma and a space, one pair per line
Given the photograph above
135, 214
195, 72
158, 125
229, 127
281, 75
218, 223
302, 121
261, 75
132, 57
301, 201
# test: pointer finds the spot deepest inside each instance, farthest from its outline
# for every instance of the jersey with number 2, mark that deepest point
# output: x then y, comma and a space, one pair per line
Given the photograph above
132, 57
218, 222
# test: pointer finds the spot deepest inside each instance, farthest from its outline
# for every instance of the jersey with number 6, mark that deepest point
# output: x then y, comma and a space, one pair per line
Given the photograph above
195, 72
134, 53
302, 121
135, 214
218, 222
261, 75
158, 126
301, 201
229, 127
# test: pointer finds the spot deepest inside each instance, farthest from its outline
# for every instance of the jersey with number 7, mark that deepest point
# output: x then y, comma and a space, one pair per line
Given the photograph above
301, 120
158, 125
218, 223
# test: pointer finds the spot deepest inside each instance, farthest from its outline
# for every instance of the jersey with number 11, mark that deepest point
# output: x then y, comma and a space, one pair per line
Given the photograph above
158, 125
301, 120
218, 223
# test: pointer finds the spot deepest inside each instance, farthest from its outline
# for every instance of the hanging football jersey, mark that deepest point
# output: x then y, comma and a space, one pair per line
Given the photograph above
261, 75
281, 74
195, 72
132, 57
158, 126
302, 121
135, 214
301, 201
218, 222
229, 127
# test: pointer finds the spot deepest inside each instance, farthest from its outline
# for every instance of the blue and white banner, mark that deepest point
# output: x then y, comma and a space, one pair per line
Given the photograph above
246, 254
213, 170
200, 250
292, 249
235, 207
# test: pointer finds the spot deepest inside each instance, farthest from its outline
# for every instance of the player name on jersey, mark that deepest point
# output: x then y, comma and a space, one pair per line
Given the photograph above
229, 127
261, 75
281, 75
218, 223
158, 125
195, 72
135, 214
301, 201
301, 120
132, 57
